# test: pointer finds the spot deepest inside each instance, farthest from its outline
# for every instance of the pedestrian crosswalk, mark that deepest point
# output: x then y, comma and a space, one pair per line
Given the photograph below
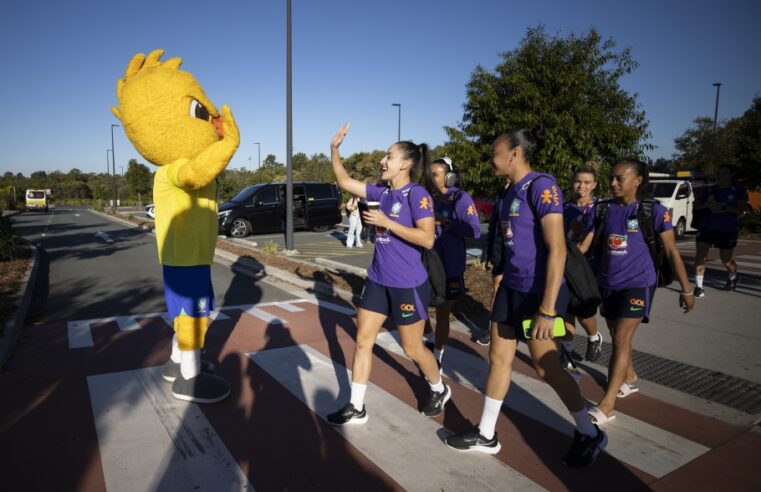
747, 256
180, 444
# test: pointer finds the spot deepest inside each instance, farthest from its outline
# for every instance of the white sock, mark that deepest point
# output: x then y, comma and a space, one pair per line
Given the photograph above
596, 337
732, 275
190, 363
175, 350
439, 353
699, 281
358, 395
438, 387
583, 423
489, 417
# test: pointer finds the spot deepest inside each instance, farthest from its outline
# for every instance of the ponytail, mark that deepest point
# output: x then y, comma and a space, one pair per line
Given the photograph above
418, 154
531, 141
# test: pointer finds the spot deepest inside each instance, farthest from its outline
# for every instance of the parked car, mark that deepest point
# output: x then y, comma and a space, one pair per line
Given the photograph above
260, 208
484, 207
150, 211
678, 195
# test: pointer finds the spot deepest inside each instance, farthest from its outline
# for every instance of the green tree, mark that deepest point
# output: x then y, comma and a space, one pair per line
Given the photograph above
569, 84
748, 145
139, 180
702, 148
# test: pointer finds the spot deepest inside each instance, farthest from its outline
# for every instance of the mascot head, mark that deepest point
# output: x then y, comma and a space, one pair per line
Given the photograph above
164, 110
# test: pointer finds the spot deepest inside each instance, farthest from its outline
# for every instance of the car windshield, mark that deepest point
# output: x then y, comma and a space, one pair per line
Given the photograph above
663, 190
246, 193
35, 194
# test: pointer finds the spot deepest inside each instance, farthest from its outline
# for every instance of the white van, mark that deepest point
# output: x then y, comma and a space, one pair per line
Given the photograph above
678, 195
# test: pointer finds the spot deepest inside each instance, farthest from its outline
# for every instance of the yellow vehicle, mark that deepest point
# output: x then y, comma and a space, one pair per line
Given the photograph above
36, 200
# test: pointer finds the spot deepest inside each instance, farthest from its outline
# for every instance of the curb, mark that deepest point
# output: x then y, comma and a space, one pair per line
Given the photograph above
16, 322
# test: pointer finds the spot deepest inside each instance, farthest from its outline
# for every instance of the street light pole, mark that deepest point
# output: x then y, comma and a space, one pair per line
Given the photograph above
259, 151
108, 162
289, 141
716, 110
399, 122
113, 161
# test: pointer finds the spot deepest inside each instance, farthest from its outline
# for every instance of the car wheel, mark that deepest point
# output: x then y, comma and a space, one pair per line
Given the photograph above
240, 228
481, 216
681, 227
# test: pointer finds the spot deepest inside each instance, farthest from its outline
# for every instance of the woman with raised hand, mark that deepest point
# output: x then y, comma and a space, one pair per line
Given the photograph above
626, 273
397, 282
532, 289
456, 219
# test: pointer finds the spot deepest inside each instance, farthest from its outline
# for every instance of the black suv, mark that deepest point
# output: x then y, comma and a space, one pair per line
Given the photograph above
261, 208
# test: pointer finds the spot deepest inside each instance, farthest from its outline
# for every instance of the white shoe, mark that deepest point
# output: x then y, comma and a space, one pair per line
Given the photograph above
360, 245
349, 246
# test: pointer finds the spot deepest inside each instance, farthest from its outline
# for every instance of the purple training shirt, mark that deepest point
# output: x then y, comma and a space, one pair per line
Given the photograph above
396, 262
625, 260
524, 247
463, 222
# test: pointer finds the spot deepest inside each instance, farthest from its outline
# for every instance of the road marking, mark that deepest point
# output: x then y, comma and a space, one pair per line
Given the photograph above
649, 448
286, 306
262, 315
150, 441
332, 307
105, 237
406, 445
80, 335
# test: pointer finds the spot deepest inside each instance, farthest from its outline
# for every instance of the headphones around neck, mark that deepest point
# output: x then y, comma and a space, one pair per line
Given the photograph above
451, 178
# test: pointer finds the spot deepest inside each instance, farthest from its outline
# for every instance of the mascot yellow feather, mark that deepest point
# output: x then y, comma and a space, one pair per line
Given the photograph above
173, 124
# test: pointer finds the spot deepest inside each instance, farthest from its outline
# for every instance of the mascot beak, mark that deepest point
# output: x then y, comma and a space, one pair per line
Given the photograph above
217, 122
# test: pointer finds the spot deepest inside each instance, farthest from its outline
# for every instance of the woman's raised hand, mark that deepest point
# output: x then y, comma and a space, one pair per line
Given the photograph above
339, 137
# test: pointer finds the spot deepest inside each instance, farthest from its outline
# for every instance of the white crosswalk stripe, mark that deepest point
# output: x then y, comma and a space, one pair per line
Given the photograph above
396, 437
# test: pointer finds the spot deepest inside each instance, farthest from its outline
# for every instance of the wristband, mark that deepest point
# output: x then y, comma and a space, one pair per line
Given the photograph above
547, 314
550, 318
690, 293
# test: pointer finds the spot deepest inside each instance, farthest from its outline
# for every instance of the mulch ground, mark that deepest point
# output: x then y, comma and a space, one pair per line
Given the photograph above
12, 274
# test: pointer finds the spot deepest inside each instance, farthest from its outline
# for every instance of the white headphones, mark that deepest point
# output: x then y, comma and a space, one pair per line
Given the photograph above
451, 178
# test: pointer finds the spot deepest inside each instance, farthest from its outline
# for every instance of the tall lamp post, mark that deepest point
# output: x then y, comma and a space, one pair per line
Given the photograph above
113, 161
259, 151
399, 122
716, 110
289, 139
108, 162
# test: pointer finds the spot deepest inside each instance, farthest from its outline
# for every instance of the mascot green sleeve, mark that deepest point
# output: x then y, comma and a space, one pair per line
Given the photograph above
170, 121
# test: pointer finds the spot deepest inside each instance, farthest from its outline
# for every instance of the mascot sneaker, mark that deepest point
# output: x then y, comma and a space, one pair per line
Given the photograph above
204, 388
171, 369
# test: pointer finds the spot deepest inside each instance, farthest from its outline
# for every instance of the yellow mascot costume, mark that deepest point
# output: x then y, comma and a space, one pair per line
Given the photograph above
170, 121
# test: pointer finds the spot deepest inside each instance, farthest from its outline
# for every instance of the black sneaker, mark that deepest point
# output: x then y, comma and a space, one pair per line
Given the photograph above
731, 284
472, 440
594, 348
348, 416
584, 449
171, 369
484, 339
699, 292
436, 403
204, 388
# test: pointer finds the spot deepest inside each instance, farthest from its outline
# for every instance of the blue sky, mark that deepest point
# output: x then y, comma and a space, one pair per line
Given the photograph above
351, 61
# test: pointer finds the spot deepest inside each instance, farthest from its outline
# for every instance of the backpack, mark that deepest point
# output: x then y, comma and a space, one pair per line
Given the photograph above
437, 276
579, 277
646, 223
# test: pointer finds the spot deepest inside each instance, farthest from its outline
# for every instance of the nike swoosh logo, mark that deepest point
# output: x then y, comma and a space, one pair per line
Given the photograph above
635, 309
407, 315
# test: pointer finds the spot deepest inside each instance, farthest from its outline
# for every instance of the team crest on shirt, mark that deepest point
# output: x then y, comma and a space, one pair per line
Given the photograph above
395, 209
617, 244
632, 225
514, 207
202, 304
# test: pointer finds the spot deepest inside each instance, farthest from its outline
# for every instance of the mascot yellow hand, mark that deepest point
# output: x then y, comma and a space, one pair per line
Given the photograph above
170, 121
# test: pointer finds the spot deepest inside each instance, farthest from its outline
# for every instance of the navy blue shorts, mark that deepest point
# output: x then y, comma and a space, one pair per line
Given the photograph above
455, 287
717, 239
188, 291
406, 305
511, 307
627, 303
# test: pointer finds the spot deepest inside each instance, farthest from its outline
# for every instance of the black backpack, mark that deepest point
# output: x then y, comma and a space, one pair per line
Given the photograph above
579, 277
437, 276
646, 223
